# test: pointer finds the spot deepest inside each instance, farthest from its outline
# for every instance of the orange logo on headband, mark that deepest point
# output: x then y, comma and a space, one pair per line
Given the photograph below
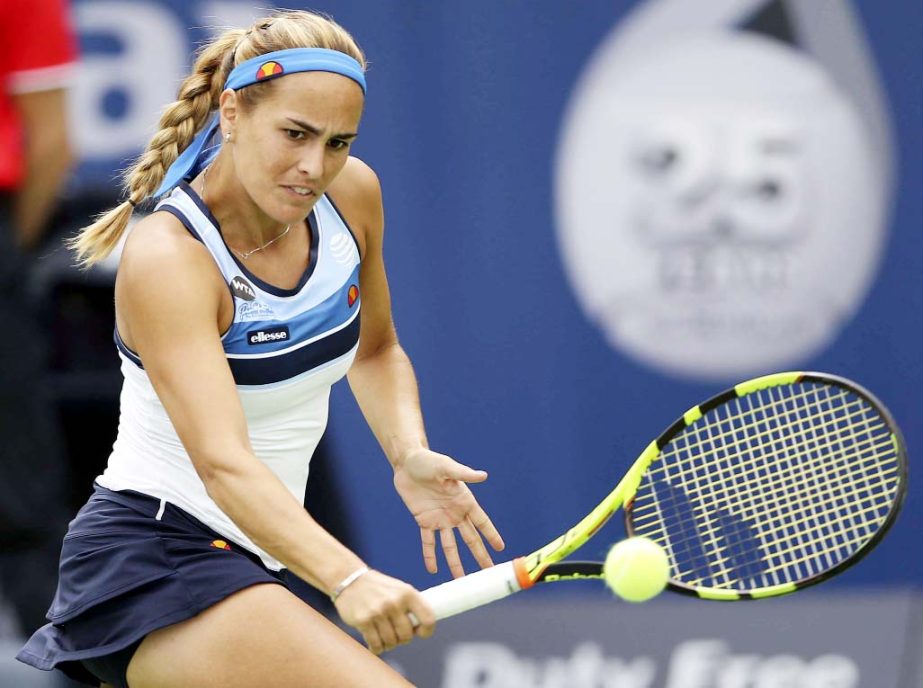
268, 69
352, 295
220, 544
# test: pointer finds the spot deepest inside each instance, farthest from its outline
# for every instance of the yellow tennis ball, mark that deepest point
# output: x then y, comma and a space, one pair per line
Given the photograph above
636, 569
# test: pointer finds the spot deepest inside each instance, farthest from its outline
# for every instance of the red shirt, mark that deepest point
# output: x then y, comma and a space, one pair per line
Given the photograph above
37, 45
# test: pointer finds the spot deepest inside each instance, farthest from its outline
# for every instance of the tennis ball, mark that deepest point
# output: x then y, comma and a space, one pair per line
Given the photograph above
636, 569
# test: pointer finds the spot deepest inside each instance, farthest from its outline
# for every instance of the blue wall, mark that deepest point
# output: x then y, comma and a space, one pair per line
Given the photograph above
463, 124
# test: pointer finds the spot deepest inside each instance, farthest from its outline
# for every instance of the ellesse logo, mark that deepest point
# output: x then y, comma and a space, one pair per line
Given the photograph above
242, 289
274, 334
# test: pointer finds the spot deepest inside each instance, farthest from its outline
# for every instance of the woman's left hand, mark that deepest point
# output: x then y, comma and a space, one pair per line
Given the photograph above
433, 486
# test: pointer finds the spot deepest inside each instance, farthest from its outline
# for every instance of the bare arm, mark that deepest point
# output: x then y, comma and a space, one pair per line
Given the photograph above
48, 158
382, 377
432, 485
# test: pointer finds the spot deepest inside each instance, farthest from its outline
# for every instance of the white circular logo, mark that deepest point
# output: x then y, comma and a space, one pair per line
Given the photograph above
717, 204
341, 248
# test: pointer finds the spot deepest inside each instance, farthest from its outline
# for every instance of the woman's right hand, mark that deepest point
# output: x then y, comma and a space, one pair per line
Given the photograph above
379, 607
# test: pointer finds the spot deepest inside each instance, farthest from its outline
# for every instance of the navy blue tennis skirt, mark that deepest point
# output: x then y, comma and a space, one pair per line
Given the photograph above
124, 572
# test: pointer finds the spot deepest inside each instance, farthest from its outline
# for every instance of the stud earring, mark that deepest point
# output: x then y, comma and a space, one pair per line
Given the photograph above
227, 137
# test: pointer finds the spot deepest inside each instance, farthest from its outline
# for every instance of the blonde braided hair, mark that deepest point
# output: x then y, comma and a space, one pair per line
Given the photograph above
197, 99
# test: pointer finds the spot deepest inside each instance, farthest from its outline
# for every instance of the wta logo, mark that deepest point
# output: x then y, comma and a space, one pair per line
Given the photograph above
352, 295
220, 544
242, 289
269, 69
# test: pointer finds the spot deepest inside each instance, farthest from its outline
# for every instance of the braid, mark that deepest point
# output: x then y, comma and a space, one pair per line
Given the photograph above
181, 120
197, 99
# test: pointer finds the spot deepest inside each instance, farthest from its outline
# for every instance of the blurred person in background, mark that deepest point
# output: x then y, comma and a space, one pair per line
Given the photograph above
37, 52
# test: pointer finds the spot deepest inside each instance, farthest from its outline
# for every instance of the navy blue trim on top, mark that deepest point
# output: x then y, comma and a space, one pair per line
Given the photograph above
123, 347
271, 288
345, 224
265, 286
200, 204
178, 214
270, 369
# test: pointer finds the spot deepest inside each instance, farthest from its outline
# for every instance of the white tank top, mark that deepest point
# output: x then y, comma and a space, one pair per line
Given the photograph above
285, 348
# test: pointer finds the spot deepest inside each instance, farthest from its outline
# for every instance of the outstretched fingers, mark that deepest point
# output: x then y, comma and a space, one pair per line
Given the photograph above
473, 539
450, 551
474, 529
482, 522
428, 538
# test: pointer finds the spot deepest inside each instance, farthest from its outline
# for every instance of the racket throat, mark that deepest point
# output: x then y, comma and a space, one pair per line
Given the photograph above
522, 573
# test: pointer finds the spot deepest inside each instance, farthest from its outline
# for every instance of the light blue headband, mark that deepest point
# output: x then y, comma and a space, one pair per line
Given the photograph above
254, 71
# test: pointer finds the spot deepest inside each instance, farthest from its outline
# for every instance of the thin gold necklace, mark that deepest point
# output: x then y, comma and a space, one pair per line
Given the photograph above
244, 255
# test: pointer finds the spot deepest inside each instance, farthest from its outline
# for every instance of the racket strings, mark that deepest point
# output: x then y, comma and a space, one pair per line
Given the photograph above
754, 468
771, 488
746, 503
799, 470
709, 534
784, 536
813, 507
738, 562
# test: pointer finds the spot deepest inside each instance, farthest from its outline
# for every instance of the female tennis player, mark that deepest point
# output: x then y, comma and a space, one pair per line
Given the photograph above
237, 306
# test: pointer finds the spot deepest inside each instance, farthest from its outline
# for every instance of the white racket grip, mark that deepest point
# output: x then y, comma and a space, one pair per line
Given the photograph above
475, 589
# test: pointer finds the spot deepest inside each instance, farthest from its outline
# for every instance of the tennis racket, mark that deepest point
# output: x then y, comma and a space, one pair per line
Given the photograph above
769, 487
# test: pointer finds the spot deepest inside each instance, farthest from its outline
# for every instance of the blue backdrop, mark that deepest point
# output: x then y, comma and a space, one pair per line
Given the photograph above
464, 121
